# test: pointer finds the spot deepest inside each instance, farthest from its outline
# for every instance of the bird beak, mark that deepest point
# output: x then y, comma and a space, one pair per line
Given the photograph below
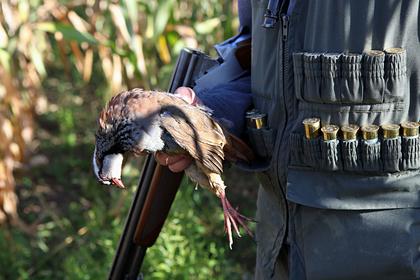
118, 183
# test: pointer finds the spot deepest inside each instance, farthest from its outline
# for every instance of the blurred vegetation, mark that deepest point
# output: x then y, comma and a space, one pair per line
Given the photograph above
59, 62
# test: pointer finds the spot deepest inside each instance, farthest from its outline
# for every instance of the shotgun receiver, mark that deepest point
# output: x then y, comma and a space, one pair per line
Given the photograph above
157, 186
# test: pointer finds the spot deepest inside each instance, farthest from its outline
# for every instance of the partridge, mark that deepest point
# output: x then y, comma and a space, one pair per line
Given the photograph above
138, 122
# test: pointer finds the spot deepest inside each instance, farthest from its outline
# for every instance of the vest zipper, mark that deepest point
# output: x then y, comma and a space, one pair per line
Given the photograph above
285, 67
285, 27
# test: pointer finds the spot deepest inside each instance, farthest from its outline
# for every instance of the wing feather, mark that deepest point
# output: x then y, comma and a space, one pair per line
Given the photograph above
196, 132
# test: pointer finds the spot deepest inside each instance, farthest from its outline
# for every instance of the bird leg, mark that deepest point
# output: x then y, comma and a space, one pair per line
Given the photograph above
232, 219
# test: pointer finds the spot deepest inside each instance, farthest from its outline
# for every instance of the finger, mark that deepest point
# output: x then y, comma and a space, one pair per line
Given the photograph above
174, 158
162, 158
167, 160
187, 94
180, 165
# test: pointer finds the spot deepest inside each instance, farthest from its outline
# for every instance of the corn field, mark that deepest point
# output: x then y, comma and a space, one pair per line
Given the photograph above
135, 43
60, 61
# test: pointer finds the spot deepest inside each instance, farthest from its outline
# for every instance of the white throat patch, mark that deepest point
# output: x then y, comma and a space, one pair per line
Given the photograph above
112, 166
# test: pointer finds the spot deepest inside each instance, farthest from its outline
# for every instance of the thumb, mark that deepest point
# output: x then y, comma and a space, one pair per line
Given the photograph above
187, 94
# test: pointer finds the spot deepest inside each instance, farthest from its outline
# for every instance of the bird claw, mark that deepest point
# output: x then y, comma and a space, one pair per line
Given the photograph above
232, 218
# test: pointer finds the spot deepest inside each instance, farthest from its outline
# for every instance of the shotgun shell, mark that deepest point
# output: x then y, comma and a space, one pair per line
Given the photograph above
350, 132
248, 116
256, 120
311, 126
329, 132
393, 51
410, 129
390, 131
370, 132
375, 53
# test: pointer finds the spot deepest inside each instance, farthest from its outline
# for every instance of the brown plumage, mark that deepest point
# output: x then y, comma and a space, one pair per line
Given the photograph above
138, 121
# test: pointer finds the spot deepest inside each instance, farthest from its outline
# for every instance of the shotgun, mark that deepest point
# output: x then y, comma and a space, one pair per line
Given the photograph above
157, 186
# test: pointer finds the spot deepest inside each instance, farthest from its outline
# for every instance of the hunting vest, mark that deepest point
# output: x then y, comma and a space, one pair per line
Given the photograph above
346, 209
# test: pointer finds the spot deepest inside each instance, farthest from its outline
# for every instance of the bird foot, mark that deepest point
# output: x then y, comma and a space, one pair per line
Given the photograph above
233, 219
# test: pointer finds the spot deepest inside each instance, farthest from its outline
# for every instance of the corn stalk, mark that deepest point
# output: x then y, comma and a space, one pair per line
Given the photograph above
133, 42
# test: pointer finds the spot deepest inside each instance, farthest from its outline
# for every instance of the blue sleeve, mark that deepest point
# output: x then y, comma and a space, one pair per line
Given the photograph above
229, 102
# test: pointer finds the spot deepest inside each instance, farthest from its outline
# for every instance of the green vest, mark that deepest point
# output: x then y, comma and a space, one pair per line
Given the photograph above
347, 209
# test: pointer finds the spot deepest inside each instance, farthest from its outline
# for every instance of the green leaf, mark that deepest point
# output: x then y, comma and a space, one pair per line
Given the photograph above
38, 61
162, 16
24, 9
5, 59
132, 11
68, 31
207, 26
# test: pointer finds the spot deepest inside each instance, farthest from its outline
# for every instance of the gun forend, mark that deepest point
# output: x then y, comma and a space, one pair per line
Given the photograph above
160, 196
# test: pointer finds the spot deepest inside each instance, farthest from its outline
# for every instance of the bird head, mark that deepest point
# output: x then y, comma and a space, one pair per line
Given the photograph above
108, 169
127, 125
108, 155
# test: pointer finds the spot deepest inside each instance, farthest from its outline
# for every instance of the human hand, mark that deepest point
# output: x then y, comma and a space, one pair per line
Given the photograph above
188, 95
177, 163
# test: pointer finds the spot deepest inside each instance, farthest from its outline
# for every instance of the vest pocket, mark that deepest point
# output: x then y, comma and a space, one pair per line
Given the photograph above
381, 244
312, 72
371, 156
355, 156
373, 77
262, 141
351, 156
312, 152
410, 153
391, 154
351, 79
395, 74
371, 222
330, 155
330, 82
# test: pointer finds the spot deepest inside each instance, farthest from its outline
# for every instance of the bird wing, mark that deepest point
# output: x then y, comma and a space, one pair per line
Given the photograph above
196, 132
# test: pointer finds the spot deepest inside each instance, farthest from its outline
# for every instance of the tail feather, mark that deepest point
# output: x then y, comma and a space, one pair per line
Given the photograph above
236, 149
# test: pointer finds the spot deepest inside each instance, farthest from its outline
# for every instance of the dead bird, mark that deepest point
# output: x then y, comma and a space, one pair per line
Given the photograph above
139, 122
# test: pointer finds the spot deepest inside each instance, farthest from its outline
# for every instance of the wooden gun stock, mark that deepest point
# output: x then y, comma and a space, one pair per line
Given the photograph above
162, 191
157, 187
